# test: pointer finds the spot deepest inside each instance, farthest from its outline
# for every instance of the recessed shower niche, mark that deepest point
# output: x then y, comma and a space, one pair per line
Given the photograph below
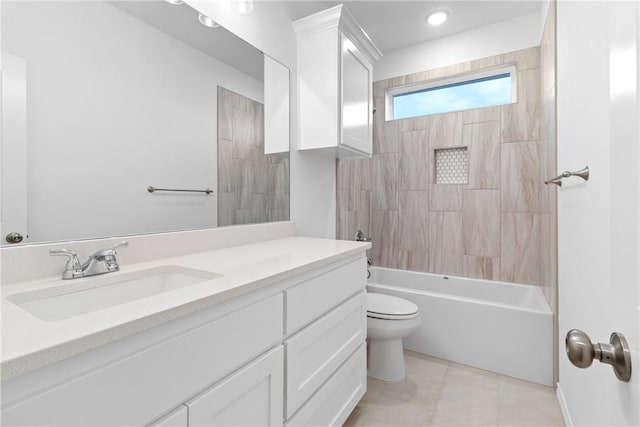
451, 166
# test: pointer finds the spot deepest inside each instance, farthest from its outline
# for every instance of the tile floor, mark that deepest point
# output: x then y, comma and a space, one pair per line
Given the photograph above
437, 393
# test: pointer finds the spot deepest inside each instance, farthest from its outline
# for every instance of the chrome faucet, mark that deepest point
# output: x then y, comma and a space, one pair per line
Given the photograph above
103, 261
360, 237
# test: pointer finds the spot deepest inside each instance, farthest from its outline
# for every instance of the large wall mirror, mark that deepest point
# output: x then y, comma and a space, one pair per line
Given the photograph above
103, 99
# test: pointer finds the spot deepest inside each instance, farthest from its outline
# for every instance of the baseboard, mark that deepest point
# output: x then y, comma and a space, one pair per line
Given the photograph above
563, 407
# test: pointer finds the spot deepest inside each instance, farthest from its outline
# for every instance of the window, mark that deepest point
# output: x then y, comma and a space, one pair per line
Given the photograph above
477, 90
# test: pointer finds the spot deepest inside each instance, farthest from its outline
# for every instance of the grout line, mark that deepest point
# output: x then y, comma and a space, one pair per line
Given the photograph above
444, 383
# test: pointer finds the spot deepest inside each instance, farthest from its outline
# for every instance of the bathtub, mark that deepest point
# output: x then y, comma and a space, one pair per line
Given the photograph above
501, 327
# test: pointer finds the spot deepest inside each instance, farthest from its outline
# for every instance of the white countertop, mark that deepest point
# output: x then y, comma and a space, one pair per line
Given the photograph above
29, 343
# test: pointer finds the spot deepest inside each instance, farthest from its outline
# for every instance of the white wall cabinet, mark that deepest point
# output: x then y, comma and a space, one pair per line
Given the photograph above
335, 61
222, 366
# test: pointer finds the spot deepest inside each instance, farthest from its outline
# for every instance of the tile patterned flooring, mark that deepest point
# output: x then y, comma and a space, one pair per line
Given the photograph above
441, 393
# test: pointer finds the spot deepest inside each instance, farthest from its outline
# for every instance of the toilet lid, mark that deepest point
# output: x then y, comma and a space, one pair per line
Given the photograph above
389, 307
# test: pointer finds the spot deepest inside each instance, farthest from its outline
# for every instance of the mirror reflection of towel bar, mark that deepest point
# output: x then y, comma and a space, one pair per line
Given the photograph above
152, 189
582, 173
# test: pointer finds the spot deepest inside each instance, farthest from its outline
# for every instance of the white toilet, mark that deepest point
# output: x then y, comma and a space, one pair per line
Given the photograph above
389, 319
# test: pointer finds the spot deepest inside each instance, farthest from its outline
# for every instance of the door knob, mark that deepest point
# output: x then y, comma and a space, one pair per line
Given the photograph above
14, 237
581, 352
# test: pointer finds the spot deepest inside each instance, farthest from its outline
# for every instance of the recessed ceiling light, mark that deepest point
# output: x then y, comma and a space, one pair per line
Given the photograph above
175, 1
207, 22
437, 18
243, 6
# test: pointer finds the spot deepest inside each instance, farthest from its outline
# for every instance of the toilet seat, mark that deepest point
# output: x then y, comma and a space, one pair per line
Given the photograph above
388, 307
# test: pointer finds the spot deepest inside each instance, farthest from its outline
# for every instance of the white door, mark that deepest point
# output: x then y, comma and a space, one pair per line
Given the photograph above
599, 220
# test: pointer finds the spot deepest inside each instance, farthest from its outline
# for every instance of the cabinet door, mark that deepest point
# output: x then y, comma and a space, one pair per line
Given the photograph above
357, 112
253, 396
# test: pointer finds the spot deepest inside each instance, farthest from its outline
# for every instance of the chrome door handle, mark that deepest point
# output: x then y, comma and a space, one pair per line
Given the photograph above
14, 237
581, 352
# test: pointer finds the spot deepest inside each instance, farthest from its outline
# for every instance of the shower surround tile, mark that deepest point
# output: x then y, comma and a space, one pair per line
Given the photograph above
524, 59
480, 115
360, 178
225, 166
483, 140
416, 123
342, 198
413, 161
252, 187
384, 232
413, 220
360, 219
479, 267
445, 243
414, 260
445, 130
481, 222
342, 174
445, 198
225, 209
385, 134
520, 177
260, 169
258, 212
490, 61
395, 197
225, 114
242, 134
520, 240
385, 181
521, 121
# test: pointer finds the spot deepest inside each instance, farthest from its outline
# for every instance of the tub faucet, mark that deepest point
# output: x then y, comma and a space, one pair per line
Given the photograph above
360, 237
103, 261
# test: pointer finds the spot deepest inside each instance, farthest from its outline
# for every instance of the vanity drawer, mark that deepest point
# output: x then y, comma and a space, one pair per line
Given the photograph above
314, 297
337, 398
140, 387
314, 353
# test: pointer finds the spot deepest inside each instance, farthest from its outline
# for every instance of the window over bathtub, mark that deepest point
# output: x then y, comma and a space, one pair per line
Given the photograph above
486, 88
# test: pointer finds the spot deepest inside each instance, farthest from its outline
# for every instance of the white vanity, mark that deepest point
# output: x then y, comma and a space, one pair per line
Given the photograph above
277, 339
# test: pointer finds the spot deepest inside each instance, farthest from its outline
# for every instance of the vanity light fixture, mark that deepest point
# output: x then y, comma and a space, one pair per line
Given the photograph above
176, 2
437, 18
243, 6
207, 22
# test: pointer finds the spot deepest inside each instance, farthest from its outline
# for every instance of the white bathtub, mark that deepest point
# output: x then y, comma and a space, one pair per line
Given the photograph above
501, 327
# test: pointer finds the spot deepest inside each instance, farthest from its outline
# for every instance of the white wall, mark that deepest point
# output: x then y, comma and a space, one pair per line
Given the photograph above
313, 178
506, 36
155, 124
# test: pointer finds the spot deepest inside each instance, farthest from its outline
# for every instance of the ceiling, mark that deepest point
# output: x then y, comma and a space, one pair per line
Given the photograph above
397, 24
181, 22
390, 24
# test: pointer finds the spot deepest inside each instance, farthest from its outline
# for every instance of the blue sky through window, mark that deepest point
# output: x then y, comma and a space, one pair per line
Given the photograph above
484, 92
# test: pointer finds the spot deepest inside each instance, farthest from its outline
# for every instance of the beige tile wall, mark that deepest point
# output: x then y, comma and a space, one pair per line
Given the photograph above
252, 187
489, 228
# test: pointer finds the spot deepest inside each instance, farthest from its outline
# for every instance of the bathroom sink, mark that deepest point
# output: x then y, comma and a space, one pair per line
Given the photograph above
81, 296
